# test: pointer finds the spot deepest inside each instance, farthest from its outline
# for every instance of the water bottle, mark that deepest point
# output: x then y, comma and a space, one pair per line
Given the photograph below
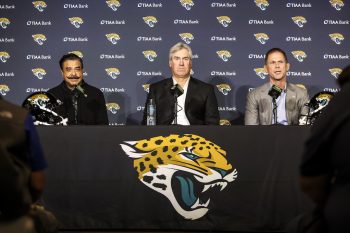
151, 112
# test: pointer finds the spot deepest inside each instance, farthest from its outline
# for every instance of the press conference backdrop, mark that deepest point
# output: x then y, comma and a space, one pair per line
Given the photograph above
125, 45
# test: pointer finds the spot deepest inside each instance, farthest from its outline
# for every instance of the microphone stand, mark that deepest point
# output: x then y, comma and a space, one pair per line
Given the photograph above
274, 110
175, 108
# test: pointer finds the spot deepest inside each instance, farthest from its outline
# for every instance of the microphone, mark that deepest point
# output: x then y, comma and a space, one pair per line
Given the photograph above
177, 90
275, 91
81, 90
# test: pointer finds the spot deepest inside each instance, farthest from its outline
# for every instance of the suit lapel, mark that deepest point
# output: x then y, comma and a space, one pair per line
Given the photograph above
191, 90
268, 103
290, 98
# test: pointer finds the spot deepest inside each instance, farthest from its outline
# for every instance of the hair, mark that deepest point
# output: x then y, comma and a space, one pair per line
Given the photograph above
275, 50
178, 47
71, 57
344, 76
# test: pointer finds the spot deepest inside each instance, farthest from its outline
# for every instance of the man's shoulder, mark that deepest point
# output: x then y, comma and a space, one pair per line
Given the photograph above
296, 88
201, 83
55, 89
261, 88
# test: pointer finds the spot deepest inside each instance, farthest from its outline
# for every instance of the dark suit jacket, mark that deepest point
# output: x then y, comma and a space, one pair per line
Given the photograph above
201, 107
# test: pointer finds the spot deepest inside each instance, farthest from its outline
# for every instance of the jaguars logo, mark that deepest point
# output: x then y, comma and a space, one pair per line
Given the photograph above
40, 5
299, 55
113, 37
187, 169
337, 4
262, 4
146, 87
224, 88
301, 86
187, 37
113, 72
39, 73
4, 22
4, 89
335, 72
261, 72
4, 56
39, 99
39, 38
150, 55
224, 20
78, 53
113, 4
188, 4
225, 122
150, 20
299, 20
261, 37
224, 55
336, 37
76, 21
113, 107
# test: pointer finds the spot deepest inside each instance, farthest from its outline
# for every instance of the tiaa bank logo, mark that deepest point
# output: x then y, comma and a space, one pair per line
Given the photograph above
76, 21
113, 72
40, 5
4, 89
113, 107
224, 55
186, 37
146, 87
4, 56
39, 73
187, 169
299, 20
261, 37
224, 20
262, 4
78, 53
188, 4
113, 4
4, 22
337, 37
150, 55
337, 4
299, 55
261, 72
150, 20
335, 72
39, 38
224, 88
113, 37
224, 122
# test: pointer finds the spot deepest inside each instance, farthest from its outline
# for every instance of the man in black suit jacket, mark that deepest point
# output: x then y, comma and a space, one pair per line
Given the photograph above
196, 106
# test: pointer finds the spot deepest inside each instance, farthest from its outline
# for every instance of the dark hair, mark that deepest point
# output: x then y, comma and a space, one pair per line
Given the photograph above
344, 76
275, 50
70, 56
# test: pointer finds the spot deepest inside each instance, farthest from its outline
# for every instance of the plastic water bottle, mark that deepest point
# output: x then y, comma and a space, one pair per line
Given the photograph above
151, 112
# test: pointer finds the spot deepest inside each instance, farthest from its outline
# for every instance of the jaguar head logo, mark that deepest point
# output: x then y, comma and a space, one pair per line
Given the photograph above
225, 122
39, 100
150, 20
39, 38
4, 22
4, 89
39, 5
146, 87
78, 53
39, 73
262, 4
188, 4
113, 4
113, 107
150, 55
4, 56
224, 88
261, 72
337, 4
184, 168
261, 37
113, 37
336, 37
76, 21
113, 72
187, 37
335, 72
299, 55
224, 20
224, 55
299, 20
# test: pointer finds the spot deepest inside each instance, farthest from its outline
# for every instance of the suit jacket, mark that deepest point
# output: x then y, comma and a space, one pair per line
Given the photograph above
201, 107
259, 105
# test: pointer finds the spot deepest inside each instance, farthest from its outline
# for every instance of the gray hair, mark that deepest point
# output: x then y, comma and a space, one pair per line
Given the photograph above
178, 47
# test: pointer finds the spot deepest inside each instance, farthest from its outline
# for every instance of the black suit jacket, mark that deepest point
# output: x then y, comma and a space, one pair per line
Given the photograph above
201, 107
